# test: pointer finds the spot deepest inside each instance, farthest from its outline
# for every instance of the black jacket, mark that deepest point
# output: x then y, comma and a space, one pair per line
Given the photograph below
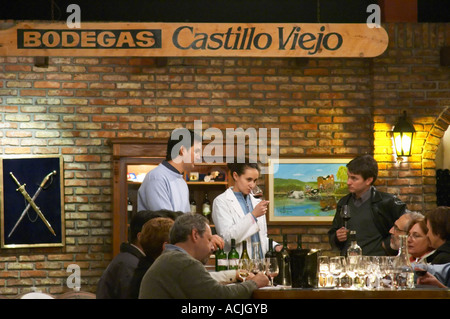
115, 280
385, 208
441, 255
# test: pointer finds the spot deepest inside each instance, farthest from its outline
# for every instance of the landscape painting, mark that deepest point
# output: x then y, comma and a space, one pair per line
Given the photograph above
305, 190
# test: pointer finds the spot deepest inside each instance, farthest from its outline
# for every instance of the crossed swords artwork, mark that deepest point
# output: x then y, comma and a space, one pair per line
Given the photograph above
31, 201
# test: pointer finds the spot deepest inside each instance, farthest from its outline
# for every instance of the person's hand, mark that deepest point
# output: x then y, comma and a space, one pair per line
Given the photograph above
429, 279
218, 242
261, 279
341, 234
260, 209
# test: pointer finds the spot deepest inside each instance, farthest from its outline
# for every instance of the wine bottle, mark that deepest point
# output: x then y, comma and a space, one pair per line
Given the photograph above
129, 208
354, 249
206, 208
221, 260
193, 205
244, 254
270, 253
299, 242
233, 256
284, 276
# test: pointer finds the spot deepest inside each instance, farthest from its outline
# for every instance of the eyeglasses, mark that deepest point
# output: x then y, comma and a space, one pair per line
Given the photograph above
396, 229
415, 236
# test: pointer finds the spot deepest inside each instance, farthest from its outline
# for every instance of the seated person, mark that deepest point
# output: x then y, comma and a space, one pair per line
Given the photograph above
418, 242
115, 280
437, 275
438, 223
179, 272
401, 227
153, 237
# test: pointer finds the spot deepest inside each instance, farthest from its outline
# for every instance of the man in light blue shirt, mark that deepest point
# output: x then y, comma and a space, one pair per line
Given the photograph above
164, 187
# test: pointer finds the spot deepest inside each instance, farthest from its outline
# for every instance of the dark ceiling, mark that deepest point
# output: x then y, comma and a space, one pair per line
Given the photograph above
305, 11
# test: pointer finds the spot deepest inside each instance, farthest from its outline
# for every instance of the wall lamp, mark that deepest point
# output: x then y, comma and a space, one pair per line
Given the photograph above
403, 134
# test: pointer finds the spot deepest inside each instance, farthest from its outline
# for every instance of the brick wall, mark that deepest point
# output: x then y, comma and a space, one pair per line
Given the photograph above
327, 107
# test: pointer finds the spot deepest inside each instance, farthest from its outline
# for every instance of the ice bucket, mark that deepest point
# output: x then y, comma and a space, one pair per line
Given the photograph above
304, 268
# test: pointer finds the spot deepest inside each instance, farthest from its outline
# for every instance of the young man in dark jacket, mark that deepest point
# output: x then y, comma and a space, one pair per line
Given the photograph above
373, 213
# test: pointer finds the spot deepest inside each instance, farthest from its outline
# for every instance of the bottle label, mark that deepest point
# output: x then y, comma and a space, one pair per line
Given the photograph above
206, 209
222, 262
233, 262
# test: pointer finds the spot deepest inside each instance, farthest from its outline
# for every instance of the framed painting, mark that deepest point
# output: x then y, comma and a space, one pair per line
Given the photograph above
32, 201
305, 190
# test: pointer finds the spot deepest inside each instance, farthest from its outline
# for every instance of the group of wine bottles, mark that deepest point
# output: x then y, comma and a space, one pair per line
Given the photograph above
229, 261
206, 207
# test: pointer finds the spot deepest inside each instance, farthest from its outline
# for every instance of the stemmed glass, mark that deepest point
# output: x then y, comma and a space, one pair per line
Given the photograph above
345, 215
354, 264
272, 270
245, 267
324, 271
337, 269
257, 192
386, 272
257, 266
420, 268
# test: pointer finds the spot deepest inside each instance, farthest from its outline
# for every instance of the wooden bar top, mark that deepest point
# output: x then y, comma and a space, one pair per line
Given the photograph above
311, 293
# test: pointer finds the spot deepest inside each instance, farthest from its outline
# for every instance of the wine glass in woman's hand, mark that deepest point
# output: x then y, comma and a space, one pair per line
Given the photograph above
257, 192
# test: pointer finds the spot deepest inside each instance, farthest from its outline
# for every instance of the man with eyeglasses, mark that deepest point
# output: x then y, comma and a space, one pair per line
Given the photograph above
401, 226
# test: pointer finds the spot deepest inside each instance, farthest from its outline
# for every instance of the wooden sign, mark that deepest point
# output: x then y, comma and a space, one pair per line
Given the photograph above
193, 39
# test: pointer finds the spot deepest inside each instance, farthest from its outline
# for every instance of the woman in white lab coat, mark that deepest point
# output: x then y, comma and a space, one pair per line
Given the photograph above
237, 214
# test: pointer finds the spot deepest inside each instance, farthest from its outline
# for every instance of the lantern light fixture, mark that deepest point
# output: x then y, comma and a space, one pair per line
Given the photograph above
403, 134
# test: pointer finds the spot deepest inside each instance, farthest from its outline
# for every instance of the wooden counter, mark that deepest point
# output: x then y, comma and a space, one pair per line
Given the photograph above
298, 293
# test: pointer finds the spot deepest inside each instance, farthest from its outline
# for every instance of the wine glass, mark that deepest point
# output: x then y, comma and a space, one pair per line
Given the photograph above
324, 270
420, 268
353, 270
257, 266
272, 270
244, 268
337, 269
345, 215
386, 270
257, 192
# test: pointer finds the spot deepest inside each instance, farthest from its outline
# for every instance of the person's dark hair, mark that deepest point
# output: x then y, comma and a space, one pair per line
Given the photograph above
161, 213
364, 165
184, 225
180, 137
439, 220
137, 221
240, 168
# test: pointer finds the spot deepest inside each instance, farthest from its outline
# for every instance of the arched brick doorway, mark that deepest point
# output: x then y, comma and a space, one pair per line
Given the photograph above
432, 141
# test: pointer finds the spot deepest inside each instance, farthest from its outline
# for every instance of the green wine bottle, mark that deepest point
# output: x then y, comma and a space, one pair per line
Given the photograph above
270, 253
221, 260
233, 256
